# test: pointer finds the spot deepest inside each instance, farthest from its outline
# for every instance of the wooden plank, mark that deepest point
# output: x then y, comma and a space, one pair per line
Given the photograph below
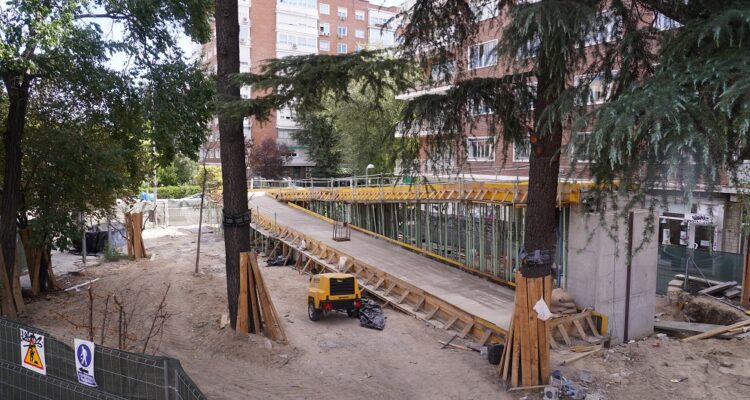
717, 331
450, 322
685, 327
699, 279
718, 288
390, 287
431, 313
252, 291
592, 326
242, 311
580, 331
507, 354
270, 316
466, 330
542, 333
485, 337
564, 334
551, 340
521, 302
418, 304
307, 265
745, 295
534, 289
403, 296
378, 283
516, 359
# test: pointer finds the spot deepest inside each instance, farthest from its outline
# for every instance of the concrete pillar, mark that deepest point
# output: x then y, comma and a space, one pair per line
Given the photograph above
597, 271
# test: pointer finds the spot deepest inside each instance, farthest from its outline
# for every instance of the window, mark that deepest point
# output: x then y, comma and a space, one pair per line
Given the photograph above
480, 149
342, 31
341, 48
483, 55
610, 29
530, 49
664, 23
244, 35
378, 21
359, 15
325, 28
325, 9
479, 108
295, 41
443, 72
577, 147
598, 90
359, 33
342, 13
325, 45
521, 150
358, 48
532, 95
484, 9
299, 3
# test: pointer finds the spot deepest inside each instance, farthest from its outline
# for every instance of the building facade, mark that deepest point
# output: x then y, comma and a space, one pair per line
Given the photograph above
711, 222
272, 29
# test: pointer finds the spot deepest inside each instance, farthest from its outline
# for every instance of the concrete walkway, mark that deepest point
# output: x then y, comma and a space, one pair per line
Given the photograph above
470, 293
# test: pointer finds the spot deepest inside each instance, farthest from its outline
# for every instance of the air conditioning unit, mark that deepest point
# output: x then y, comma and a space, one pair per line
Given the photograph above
342, 18
326, 33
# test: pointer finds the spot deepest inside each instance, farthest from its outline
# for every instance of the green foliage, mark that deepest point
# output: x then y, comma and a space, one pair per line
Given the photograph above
111, 254
90, 131
176, 192
323, 143
179, 172
212, 174
352, 133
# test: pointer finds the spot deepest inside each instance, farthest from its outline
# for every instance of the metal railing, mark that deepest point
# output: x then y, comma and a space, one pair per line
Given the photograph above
118, 374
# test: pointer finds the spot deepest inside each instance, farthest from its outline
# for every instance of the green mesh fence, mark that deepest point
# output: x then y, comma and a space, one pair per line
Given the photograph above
119, 374
715, 265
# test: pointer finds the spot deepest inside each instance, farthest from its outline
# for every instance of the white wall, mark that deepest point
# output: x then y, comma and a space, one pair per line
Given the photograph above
597, 271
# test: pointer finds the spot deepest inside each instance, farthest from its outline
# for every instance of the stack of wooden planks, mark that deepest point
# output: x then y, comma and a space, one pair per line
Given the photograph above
134, 228
525, 359
255, 302
729, 289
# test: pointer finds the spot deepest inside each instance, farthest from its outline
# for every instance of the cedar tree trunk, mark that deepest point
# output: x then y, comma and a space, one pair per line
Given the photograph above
233, 169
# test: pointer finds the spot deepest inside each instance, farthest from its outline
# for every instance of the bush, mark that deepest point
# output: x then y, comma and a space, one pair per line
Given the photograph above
176, 192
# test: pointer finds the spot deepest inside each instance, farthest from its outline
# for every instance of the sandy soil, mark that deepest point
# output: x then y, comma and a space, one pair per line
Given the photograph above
334, 358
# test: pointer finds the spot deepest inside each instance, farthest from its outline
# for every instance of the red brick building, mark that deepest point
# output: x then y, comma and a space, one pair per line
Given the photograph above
279, 28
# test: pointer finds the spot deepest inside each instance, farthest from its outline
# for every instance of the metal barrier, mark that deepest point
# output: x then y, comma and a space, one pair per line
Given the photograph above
118, 374
715, 265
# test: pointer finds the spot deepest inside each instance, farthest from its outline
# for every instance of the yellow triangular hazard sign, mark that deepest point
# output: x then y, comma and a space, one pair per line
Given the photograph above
32, 356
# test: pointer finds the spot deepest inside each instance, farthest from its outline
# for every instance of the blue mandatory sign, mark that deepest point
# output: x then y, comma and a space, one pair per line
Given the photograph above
83, 353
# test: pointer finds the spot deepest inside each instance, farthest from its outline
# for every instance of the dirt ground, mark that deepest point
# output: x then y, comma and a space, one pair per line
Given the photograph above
335, 358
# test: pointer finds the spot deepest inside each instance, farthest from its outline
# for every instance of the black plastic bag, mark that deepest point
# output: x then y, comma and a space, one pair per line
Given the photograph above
371, 315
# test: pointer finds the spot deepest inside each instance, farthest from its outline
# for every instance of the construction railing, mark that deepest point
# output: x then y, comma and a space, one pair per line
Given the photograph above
388, 188
118, 374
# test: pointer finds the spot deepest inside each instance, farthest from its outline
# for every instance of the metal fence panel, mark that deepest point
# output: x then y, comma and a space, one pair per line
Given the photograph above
715, 265
118, 374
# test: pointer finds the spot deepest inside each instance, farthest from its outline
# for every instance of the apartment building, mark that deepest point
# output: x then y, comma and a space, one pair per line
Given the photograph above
711, 223
280, 28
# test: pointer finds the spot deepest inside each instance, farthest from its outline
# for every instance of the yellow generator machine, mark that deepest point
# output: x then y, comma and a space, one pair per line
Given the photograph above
332, 291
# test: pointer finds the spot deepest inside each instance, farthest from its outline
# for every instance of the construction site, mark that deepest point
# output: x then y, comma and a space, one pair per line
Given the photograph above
374, 199
447, 301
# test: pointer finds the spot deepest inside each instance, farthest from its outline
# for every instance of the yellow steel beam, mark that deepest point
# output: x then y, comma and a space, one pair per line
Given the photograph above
486, 192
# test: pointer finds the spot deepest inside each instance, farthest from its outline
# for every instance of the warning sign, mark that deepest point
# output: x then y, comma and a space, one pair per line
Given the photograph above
32, 352
85, 362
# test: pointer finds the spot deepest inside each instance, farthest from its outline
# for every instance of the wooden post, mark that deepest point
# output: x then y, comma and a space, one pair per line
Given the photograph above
525, 360
745, 296
242, 311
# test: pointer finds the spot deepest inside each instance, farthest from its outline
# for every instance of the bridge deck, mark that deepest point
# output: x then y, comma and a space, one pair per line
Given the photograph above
472, 294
